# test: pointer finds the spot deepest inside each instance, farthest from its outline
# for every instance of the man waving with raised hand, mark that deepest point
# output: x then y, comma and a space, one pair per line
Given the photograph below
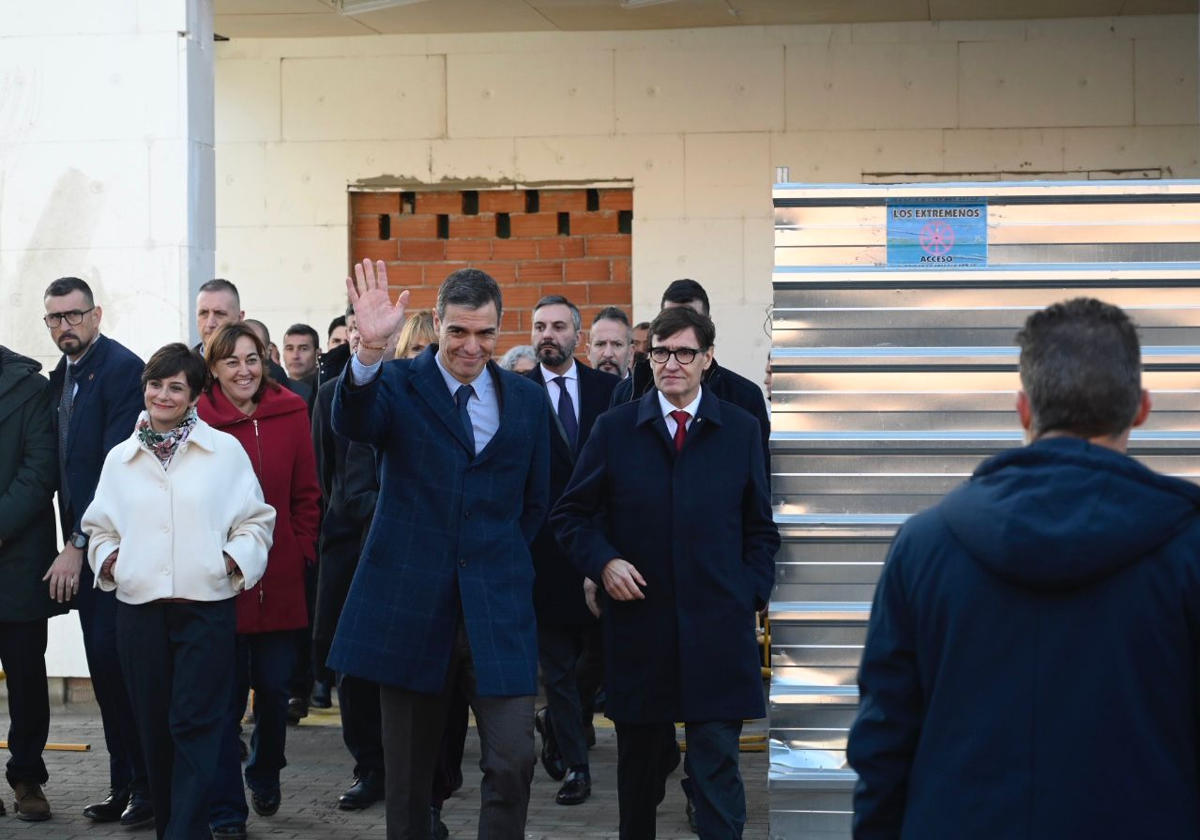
442, 600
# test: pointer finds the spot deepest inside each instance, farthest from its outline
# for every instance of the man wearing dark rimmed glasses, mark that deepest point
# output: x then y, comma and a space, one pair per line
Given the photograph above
97, 396
684, 557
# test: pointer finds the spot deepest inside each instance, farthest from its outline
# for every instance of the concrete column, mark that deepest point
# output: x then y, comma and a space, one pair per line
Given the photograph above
106, 164
106, 173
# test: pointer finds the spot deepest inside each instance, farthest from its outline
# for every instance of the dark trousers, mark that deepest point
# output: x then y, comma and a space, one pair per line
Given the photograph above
645, 757
560, 652
263, 662
98, 620
178, 658
358, 704
23, 657
447, 775
413, 727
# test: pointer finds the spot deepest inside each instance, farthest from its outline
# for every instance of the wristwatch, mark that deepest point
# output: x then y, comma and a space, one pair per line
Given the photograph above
79, 540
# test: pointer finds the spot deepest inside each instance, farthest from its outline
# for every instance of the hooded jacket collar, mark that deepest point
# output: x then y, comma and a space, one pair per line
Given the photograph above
1061, 514
221, 413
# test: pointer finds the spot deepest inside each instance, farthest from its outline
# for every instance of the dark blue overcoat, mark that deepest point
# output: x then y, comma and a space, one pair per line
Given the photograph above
1032, 667
698, 527
450, 535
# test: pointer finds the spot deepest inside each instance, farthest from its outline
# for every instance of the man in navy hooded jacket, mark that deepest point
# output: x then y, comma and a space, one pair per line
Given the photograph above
1032, 668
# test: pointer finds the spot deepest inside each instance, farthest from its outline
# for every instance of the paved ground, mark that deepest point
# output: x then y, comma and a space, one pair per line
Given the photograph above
319, 771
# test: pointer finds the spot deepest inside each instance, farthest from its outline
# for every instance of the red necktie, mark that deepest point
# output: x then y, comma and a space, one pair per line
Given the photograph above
681, 418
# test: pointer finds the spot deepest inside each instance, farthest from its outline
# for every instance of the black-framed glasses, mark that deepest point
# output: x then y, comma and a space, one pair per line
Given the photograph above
683, 355
73, 318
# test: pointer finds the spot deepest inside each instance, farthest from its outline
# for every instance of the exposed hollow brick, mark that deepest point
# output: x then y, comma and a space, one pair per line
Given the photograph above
616, 199
571, 293
420, 297
619, 245
540, 271
482, 226
378, 249
585, 224
415, 227
439, 202
515, 249
375, 202
501, 201
556, 201
588, 271
501, 272
622, 270
560, 248
365, 226
534, 224
405, 275
608, 294
469, 250
521, 297
422, 250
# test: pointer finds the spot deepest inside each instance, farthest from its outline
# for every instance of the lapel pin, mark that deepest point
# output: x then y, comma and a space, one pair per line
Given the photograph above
91, 376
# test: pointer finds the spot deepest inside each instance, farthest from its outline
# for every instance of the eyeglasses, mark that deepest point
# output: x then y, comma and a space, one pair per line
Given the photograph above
683, 355
73, 318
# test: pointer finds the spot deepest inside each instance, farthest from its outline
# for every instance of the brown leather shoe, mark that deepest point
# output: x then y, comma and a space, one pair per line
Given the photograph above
31, 804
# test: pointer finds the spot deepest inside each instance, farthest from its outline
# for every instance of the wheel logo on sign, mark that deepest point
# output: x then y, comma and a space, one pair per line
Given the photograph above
937, 238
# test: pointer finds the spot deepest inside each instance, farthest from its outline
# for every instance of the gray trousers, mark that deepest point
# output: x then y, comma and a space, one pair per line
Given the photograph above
412, 739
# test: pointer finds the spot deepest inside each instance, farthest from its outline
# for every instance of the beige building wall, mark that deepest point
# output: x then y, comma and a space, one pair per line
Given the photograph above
696, 120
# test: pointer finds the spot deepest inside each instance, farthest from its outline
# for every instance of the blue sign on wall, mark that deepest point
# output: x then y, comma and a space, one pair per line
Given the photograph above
937, 235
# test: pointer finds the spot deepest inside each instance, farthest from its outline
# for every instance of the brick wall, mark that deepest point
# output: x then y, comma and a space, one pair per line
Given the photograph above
576, 243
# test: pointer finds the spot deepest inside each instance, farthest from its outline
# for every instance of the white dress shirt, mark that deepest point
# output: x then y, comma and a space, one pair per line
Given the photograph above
572, 381
691, 408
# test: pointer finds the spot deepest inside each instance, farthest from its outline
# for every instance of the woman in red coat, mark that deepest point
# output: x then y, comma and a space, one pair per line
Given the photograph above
272, 424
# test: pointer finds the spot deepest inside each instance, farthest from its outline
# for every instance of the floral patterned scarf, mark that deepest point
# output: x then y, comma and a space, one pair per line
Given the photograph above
164, 444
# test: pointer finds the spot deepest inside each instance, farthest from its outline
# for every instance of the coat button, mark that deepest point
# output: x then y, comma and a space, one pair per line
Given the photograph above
467, 515
167, 571
462, 561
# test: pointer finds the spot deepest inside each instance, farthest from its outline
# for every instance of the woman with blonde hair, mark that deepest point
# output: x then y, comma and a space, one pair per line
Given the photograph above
416, 335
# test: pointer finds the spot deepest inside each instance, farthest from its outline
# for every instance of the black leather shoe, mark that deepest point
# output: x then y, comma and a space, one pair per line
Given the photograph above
110, 810
551, 759
437, 828
138, 811
322, 697
576, 789
233, 831
296, 710
265, 804
367, 788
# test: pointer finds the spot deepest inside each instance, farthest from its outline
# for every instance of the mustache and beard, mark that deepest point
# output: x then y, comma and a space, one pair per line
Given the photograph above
552, 354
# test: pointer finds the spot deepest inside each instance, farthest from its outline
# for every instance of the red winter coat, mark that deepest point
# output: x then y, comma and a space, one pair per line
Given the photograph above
278, 439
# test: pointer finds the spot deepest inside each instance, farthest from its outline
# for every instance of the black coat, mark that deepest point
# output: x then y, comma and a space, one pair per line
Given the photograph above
558, 587
344, 470
104, 412
728, 386
698, 528
1032, 667
28, 475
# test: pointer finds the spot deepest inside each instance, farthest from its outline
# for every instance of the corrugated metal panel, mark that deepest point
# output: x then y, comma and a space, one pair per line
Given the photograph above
890, 386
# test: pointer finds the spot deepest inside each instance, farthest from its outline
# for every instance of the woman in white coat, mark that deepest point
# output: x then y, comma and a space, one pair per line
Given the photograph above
178, 527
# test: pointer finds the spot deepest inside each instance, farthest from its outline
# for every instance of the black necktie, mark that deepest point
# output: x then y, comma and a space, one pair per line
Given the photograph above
461, 396
66, 402
566, 411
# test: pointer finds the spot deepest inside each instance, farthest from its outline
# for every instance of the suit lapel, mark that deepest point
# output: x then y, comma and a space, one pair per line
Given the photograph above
650, 414
428, 382
507, 414
561, 437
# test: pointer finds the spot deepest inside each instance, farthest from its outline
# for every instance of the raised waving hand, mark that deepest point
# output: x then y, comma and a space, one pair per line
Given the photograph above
378, 318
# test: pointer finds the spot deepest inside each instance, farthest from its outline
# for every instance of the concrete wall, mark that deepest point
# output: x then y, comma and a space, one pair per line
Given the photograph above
695, 119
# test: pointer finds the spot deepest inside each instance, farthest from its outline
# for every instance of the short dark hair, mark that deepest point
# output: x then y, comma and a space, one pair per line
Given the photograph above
471, 288
63, 286
254, 322
612, 313
559, 300
177, 358
222, 344
303, 329
219, 285
1081, 367
685, 291
644, 325
339, 321
679, 318
349, 311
